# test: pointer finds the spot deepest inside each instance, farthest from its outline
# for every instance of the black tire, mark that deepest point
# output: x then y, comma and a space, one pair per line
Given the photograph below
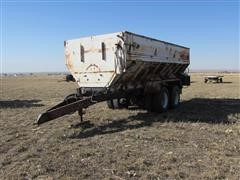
175, 97
161, 101
117, 103
220, 80
148, 102
110, 104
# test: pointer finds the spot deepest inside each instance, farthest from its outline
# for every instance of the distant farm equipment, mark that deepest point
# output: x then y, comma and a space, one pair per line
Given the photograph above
69, 78
217, 79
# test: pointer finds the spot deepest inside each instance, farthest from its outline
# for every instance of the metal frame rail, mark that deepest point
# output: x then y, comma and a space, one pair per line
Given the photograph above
79, 103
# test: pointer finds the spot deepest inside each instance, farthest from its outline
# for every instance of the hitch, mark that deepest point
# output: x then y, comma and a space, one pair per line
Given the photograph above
64, 108
73, 103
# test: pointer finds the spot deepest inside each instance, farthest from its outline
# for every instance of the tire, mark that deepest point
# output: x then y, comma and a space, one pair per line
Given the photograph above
161, 101
110, 104
148, 102
117, 103
174, 97
220, 80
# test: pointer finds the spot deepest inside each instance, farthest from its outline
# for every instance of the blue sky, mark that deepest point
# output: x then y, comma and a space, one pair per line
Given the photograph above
33, 31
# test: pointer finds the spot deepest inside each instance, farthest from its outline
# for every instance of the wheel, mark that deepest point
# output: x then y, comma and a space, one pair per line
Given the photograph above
123, 103
148, 102
205, 80
220, 80
113, 104
110, 104
175, 97
117, 103
160, 100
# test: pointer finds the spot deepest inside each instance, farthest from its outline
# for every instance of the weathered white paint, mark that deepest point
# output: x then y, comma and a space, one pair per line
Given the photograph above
121, 49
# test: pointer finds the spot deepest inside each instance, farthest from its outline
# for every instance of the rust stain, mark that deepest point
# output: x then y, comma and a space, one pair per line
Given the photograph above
95, 50
94, 72
184, 55
69, 61
145, 60
93, 68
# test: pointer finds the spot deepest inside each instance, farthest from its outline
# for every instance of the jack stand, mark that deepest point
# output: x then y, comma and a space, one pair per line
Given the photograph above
80, 113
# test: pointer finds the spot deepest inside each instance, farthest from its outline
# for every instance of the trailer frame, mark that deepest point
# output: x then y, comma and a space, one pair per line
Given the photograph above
85, 97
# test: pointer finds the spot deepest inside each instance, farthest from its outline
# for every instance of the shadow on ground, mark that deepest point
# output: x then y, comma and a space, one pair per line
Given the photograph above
20, 103
227, 82
195, 110
224, 82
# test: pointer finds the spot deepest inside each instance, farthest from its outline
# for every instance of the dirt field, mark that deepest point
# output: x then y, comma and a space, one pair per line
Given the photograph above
199, 140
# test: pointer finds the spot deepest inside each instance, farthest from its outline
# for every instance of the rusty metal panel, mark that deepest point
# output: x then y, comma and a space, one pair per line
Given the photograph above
152, 50
84, 59
123, 58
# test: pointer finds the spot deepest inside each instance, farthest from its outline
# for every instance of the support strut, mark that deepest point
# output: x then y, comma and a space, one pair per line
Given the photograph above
74, 103
63, 108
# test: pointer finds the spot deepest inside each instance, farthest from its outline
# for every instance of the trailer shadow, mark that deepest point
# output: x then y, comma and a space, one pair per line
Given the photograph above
20, 103
227, 82
224, 82
195, 110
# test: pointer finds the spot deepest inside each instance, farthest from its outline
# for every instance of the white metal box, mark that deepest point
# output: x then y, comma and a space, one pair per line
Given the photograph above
123, 59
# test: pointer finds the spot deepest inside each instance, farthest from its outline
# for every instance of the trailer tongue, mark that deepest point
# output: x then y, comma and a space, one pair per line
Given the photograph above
73, 103
64, 108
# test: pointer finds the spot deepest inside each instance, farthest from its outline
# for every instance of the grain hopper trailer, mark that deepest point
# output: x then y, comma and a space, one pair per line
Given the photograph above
123, 69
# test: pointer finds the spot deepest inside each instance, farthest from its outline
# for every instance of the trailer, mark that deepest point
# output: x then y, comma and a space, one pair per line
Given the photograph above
123, 69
